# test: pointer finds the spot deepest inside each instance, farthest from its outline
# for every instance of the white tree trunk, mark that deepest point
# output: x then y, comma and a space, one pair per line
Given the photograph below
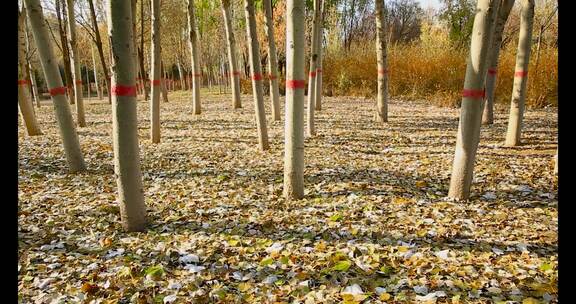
29, 62
521, 74
472, 101
75, 63
503, 13
295, 85
164, 79
310, 127
96, 83
272, 61
57, 90
24, 99
381, 52
318, 89
155, 73
181, 76
256, 69
124, 117
195, 55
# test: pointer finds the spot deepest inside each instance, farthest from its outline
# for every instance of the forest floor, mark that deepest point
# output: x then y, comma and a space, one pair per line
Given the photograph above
375, 225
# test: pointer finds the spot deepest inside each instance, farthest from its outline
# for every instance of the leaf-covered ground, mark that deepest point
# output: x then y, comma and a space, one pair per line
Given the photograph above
375, 225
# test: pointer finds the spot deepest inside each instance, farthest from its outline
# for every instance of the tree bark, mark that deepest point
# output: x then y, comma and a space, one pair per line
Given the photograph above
96, 83
472, 101
318, 89
139, 86
503, 13
310, 127
141, 54
57, 90
100, 50
513, 133
295, 84
195, 58
181, 75
232, 61
31, 73
75, 64
163, 82
124, 118
381, 52
256, 69
272, 61
65, 50
24, 99
155, 73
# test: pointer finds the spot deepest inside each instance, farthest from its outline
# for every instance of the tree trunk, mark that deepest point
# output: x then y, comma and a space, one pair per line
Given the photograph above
88, 84
163, 81
295, 85
472, 101
195, 55
155, 73
96, 83
75, 64
381, 52
503, 13
521, 74
556, 162
124, 118
181, 75
311, 129
139, 87
272, 61
318, 89
254, 53
31, 73
141, 54
65, 50
100, 50
34, 84
57, 90
24, 99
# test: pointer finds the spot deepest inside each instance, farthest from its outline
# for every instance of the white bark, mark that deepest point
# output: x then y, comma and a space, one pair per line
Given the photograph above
124, 119
58, 91
272, 61
75, 63
310, 127
517, 104
96, 83
295, 84
472, 101
155, 75
381, 52
195, 55
318, 89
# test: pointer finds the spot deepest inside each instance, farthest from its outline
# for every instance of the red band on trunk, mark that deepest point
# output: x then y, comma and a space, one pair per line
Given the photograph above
382, 72
473, 93
155, 82
521, 74
312, 74
121, 90
197, 75
492, 71
58, 91
236, 73
78, 81
23, 82
272, 77
318, 71
295, 84
257, 77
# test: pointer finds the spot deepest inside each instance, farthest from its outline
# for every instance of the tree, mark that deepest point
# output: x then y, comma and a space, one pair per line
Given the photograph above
459, 14
163, 80
318, 88
472, 101
65, 50
382, 99
272, 60
124, 119
143, 75
98, 42
75, 64
195, 60
256, 69
57, 90
31, 70
513, 133
24, 99
311, 130
96, 83
155, 73
503, 13
233, 70
404, 20
295, 84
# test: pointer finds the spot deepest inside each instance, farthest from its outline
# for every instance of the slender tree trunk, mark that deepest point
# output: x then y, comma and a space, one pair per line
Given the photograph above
195, 61
31, 73
164, 85
318, 89
65, 50
141, 54
311, 129
155, 73
272, 61
503, 13
521, 74
88, 84
139, 87
472, 101
34, 85
96, 83
24, 99
100, 50
75, 64
295, 85
382, 99
254, 53
556, 162
124, 118
181, 75
57, 90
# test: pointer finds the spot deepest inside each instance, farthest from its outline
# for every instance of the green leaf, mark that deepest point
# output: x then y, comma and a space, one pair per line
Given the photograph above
336, 217
266, 261
545, 266
154, 271
342, 266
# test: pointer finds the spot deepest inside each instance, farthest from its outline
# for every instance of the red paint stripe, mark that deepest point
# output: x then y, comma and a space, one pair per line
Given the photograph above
477, 94
197, 75
58, 91
155, 82
257, 77
22, 82
78, 81
295, 84
121, 90
382, 72
318, 71
312, 74
521, 74
236, 73
492, 71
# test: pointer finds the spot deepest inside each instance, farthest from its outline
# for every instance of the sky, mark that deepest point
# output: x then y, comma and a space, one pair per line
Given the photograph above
426, 3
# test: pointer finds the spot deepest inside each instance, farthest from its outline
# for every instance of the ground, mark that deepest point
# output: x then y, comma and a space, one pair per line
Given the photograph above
375, 224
